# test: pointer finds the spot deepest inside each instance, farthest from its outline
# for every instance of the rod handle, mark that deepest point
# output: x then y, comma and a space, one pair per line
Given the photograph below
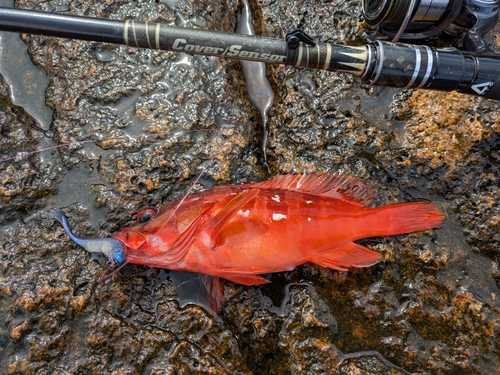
444, 69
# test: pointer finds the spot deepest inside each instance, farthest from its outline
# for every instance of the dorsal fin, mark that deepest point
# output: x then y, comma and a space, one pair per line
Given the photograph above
346, 188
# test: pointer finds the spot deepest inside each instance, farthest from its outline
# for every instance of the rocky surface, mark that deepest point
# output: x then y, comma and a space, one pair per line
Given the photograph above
153, 120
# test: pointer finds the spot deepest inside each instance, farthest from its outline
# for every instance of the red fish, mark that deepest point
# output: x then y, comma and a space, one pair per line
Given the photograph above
240, 231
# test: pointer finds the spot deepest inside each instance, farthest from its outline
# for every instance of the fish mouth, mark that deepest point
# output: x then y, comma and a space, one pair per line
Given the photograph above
112, 248
130, 239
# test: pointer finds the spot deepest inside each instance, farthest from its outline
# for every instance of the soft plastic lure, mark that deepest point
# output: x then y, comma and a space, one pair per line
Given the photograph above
112, 248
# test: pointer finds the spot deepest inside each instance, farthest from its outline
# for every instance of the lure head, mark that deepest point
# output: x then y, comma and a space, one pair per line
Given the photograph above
118, 254
110, 247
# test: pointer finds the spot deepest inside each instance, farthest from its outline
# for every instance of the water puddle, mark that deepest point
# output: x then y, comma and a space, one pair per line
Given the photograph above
258, 87
76, 189
27, 82
171, 3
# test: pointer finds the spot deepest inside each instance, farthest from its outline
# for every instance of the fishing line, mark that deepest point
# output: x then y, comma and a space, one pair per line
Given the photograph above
173, 213
107, 275
25, 154
28, 153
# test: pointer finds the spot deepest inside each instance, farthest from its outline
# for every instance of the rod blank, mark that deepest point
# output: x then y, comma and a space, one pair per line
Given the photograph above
386, 64
60, 25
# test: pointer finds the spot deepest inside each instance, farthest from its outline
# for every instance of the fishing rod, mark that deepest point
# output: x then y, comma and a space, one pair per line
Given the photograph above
379, 63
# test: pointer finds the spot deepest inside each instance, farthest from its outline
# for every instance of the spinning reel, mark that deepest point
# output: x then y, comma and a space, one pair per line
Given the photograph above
414, 20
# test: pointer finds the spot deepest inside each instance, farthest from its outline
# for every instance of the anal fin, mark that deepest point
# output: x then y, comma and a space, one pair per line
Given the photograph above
246, 279
345, 256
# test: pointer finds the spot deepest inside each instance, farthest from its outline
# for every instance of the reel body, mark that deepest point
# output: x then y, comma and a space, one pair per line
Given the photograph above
413, 20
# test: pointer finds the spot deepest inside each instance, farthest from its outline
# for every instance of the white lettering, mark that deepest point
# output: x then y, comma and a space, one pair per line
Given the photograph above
482, 88
233, 50
199, 48
177, 43
253, 55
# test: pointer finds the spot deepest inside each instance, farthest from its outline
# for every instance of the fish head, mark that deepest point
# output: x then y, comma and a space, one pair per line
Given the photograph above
131, 237
159, 237
135, 235
153, 232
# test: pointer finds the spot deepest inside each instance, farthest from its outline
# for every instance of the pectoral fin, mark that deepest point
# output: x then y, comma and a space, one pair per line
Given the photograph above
215, 293
182, 244
199, 289
210, 233
345, 256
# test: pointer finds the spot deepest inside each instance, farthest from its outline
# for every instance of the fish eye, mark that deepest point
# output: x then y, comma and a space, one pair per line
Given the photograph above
147, 214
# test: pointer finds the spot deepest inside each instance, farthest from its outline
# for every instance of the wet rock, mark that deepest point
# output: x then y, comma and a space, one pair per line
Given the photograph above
24, 180
155, 119
459, 142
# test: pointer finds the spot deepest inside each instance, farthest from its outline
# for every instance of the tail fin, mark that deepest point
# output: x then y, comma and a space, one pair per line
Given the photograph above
388, 220
410, 217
